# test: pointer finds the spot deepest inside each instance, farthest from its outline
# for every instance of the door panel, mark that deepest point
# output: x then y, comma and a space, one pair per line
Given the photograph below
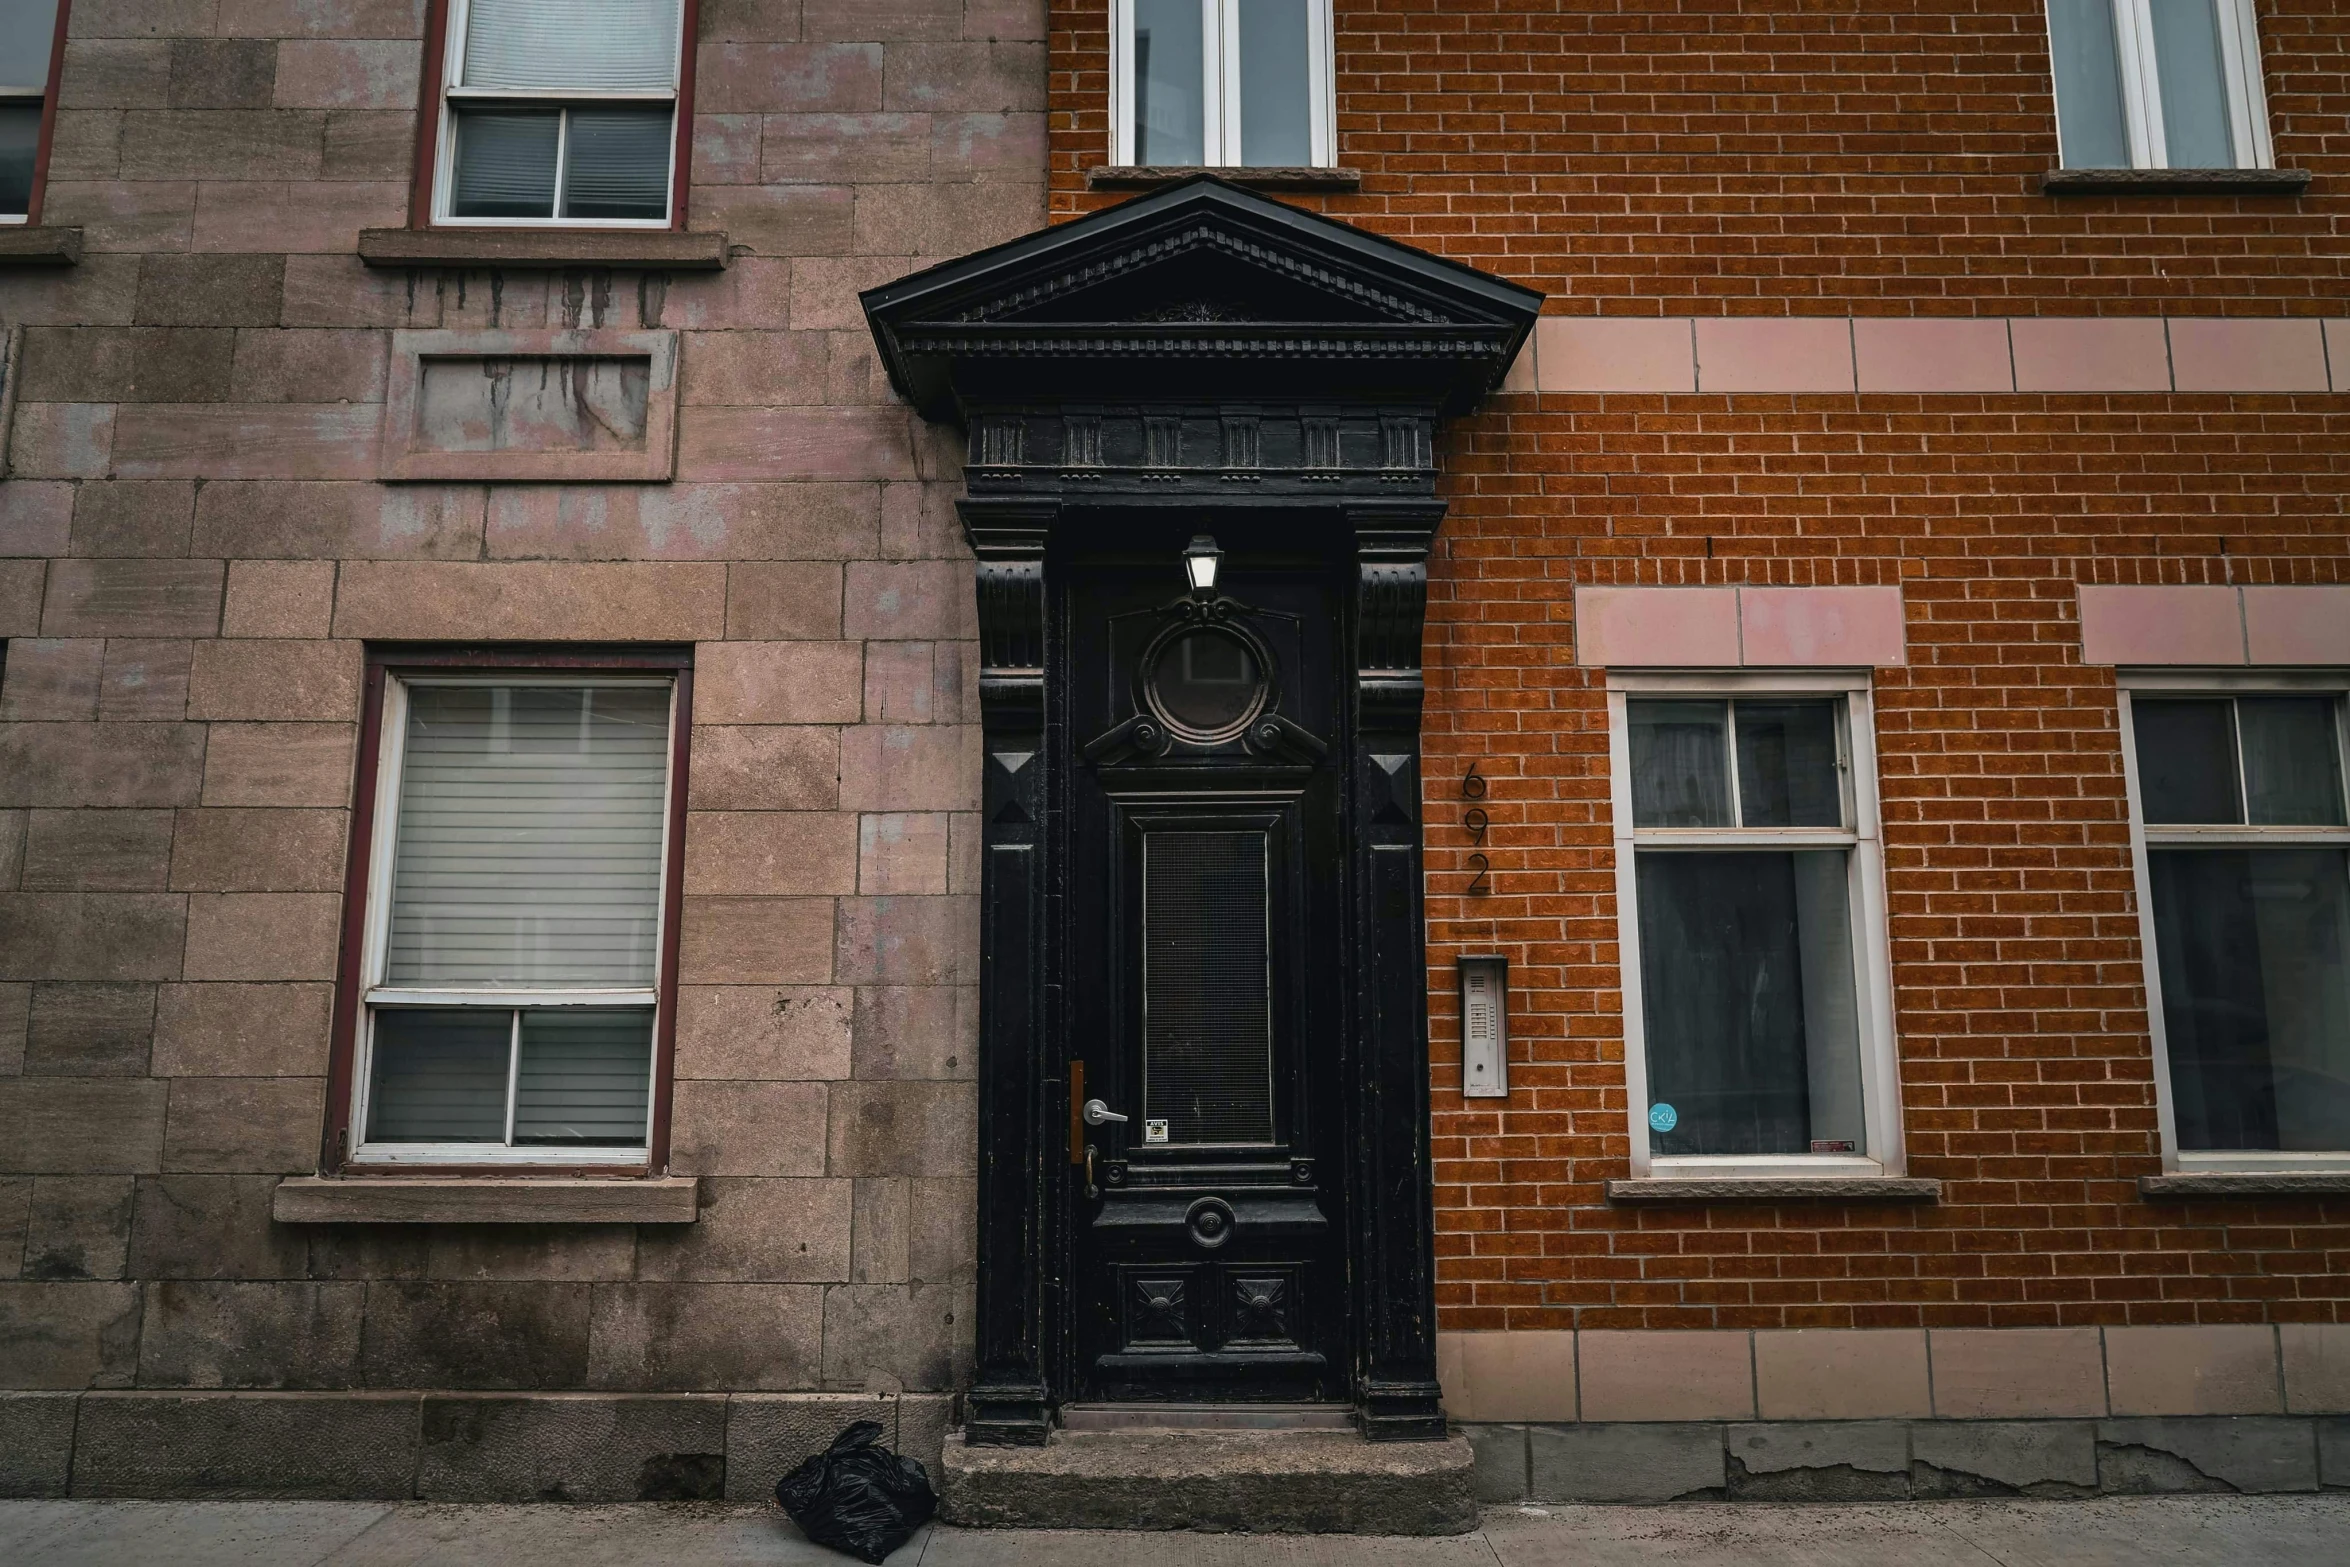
1205, 984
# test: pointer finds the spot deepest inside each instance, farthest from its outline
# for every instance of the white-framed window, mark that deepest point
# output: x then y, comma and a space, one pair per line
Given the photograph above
559, 112
2241, 840
1750, 897
1222, 84
28, 34
511, 965
2158, 84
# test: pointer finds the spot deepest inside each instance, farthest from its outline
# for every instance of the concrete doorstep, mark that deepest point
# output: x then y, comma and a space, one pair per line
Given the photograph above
2177, 1531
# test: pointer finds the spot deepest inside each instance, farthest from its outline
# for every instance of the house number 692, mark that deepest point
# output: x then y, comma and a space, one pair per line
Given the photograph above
1475, 821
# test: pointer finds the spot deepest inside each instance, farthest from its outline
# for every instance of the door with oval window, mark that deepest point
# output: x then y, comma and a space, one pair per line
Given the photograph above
1205, 986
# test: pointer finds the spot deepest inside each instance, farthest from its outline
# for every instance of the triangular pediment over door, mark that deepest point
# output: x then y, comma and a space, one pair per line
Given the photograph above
1188, 291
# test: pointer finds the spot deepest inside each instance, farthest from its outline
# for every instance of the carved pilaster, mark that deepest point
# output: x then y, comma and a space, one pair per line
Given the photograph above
1009, 1401
1395, 1374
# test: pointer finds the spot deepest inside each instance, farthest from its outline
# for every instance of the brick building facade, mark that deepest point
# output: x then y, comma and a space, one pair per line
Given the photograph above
1850, 387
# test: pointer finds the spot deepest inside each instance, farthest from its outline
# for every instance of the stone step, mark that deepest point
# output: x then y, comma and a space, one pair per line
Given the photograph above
1297, 1481
1207, 1417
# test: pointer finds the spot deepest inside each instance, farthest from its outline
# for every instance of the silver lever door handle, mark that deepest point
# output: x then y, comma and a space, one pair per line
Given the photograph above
1096, 1113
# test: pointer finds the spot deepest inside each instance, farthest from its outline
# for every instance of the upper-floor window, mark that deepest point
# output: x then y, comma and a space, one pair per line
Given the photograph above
1222, 83
1750, 887
2158, 84
2244, 900
509, 997
560, 112
30, 31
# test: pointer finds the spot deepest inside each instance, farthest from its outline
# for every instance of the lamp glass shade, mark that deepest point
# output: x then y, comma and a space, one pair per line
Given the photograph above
1200, 559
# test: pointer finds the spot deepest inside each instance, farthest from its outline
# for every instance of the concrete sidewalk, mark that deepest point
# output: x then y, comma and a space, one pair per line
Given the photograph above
2174, 1531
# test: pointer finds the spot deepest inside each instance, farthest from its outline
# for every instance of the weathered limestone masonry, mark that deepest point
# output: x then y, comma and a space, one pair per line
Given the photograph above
199, 547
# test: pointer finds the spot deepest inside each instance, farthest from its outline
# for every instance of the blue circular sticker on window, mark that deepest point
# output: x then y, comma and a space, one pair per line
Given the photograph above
1663, 1118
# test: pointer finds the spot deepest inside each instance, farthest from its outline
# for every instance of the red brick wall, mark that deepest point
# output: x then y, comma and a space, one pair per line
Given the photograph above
1653, 157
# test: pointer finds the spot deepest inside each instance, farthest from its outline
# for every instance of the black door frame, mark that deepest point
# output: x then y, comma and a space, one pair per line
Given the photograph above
1307, 376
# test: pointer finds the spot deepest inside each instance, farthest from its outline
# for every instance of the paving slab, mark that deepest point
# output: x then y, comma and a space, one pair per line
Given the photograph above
108, 1534
2169, 1531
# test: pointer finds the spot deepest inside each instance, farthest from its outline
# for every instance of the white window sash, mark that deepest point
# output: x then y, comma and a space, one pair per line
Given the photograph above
454, 94
1883, 1148
2239, 40
1220, 126
383, 848
2144, 838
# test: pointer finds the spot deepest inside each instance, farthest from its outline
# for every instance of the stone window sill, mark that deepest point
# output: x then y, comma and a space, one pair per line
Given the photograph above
663, 250
1153, 176
1775, 1188
2174, 182
395, 1199
37, 245
2183, 1185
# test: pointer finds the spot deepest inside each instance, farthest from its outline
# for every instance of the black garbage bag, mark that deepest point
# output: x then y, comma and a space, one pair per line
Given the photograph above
858, 1496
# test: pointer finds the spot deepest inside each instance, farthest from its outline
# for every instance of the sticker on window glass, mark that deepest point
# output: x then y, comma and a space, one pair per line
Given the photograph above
1663, 1118
1834, 1145
1154, 1131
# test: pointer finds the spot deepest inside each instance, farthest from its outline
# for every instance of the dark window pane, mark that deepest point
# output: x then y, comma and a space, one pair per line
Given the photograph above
2292, 762
2187, 759
1206, 681
505, 163
2253, 947
1276, 103
439, 1075
20, 138
1207, 1002
2089, 124
2194, 85
618, 164
1787, 773
1168, 128
586, 1076
1752, 1018
1680, 764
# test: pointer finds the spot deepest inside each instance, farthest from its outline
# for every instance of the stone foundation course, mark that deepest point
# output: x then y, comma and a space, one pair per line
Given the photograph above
438, 1447
1914, 1460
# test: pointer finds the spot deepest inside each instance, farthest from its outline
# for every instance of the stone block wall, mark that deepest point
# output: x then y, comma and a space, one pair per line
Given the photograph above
196, 548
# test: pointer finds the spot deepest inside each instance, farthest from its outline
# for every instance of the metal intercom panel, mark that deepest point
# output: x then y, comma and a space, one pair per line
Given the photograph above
1485, 1027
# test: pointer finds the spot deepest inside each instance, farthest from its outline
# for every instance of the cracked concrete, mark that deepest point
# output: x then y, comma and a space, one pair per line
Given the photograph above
2179, 1531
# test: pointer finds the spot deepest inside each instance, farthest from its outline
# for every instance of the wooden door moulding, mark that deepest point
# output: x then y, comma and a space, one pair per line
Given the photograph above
1201, 348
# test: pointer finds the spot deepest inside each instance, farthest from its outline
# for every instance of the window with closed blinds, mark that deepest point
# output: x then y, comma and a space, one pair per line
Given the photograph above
517, 151
571, 45
530, 836
512, 1008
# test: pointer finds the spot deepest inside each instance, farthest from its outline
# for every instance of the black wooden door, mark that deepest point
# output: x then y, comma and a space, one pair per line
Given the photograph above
1206, 976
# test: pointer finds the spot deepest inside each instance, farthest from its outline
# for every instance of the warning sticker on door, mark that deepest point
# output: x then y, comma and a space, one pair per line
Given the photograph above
1154, 1131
